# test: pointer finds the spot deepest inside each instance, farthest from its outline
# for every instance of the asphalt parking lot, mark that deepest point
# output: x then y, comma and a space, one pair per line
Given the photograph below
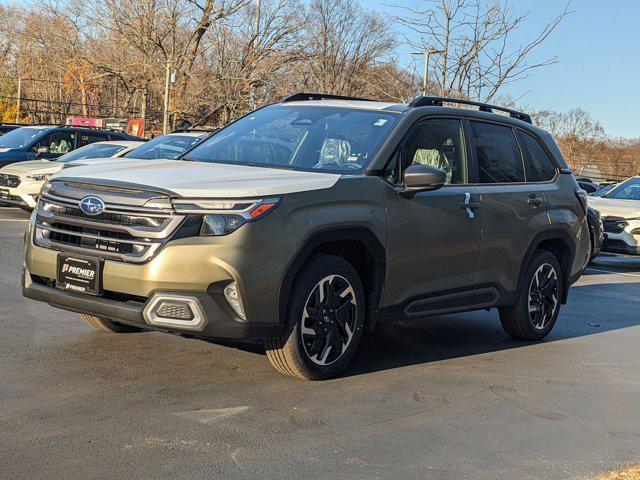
450, 397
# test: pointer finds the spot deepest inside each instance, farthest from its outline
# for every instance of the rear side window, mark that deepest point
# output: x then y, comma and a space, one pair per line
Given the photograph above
539, 166
497, 152
87, 138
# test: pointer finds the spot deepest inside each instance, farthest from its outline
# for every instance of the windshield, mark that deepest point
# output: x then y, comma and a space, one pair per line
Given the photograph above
300, 137
627, 190
21, 137
95, 150
166, 146
604, 190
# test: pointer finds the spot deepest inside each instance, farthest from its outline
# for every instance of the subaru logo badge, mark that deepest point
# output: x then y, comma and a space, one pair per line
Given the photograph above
92, 205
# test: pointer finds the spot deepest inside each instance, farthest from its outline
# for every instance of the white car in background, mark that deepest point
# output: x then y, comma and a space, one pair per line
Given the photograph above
23, 180
168, 147
620, 212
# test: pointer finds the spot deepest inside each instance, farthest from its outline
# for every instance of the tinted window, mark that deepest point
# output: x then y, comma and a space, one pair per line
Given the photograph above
58, 143
539, 166
498, 154
438, 143
300, 137
90, 137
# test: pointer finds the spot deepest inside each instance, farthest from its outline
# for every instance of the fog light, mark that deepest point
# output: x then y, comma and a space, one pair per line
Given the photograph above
232, 294
176, 310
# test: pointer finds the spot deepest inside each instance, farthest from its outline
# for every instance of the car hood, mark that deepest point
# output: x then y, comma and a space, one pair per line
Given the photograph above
92, 161
32, 167
200, 179
611, 207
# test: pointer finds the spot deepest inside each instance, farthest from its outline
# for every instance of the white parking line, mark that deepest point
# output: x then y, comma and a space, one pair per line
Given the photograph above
613, 273
13, 220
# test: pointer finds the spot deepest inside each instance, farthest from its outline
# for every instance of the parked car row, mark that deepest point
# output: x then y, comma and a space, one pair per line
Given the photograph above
59, 147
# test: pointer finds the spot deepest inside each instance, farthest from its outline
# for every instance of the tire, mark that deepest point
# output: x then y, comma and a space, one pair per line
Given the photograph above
535, 312
108, 325
319, 346
592, 243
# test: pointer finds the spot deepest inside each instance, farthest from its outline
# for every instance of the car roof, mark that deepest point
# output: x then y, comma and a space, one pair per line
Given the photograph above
124, 143
196, 134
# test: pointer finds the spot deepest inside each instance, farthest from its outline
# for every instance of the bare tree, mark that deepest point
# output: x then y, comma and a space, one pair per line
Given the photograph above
478, 56
343, 42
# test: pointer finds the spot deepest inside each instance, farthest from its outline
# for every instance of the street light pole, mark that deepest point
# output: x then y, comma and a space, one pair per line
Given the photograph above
425, 77
167, 90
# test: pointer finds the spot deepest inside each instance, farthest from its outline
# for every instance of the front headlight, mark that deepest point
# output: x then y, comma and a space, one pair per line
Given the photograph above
222, 217
39, 177
216, 225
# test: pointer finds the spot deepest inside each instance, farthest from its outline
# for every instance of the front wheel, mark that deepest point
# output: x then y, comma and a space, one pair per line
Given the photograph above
535, 312
325, 321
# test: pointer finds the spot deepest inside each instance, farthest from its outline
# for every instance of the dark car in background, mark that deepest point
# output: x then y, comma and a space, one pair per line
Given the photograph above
50, 141
8, 127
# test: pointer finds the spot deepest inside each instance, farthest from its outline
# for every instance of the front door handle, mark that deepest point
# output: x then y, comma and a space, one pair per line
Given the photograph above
469, 206
534, 200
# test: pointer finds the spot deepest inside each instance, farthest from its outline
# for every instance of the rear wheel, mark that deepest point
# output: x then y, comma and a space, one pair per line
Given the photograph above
534, 314
108, 325
325, 320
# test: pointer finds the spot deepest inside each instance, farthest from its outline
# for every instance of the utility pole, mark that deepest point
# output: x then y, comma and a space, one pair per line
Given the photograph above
19, 101
425, 76
167, 90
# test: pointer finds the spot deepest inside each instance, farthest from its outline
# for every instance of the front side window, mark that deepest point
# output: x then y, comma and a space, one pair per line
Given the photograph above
58, 143
439, 143
539, 167
166, 147
627, 190
316, 138
498, 155
95, 150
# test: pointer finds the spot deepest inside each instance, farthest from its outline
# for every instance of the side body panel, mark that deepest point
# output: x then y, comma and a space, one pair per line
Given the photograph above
432, 244
509, 225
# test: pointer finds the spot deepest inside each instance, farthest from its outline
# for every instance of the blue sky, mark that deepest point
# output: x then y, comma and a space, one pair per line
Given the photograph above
598, 50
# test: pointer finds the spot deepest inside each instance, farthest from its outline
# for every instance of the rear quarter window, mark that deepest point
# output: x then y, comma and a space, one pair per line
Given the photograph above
539, 167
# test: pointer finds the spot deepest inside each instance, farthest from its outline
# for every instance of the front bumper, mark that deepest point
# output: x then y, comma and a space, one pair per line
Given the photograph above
218, 322
254, 257
24, 195
624, 241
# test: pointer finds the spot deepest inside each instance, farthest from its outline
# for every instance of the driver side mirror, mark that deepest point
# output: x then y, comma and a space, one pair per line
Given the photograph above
421, 178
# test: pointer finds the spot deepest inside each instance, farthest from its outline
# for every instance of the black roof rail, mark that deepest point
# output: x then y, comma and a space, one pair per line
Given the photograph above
422, 101
299, 97
87, 127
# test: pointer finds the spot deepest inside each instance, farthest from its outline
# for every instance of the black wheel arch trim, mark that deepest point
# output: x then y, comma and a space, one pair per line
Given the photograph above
317, 239
569, 241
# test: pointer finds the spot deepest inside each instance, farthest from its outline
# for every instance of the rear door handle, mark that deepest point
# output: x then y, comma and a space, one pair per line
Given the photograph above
469, 206
534, 200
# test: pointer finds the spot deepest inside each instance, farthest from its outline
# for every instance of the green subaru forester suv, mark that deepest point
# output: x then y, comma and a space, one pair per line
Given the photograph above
305, 223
